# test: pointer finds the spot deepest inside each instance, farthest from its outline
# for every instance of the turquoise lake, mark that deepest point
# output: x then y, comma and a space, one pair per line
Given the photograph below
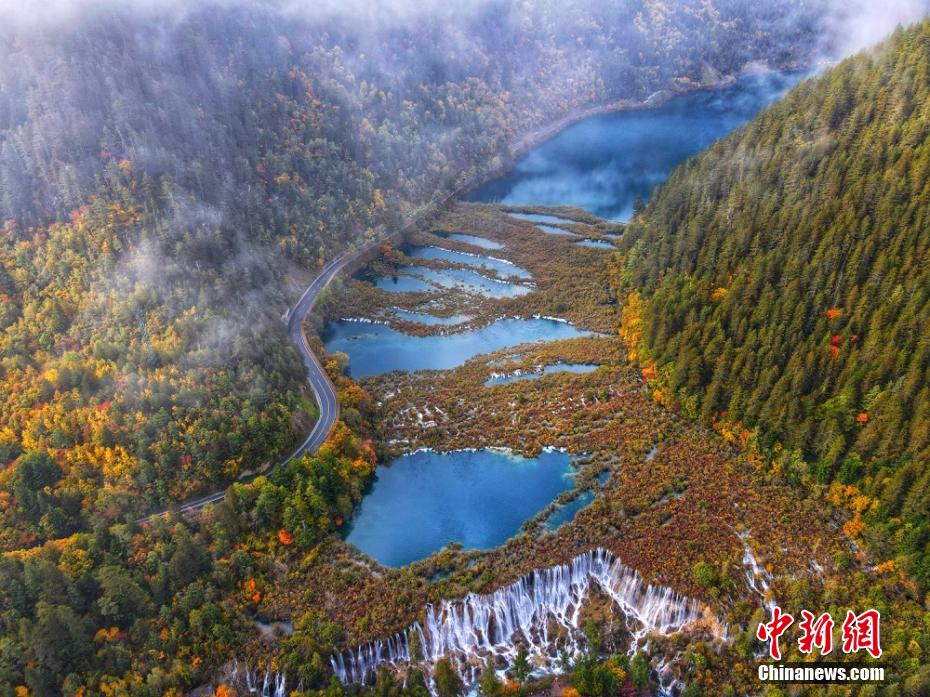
425, 500
428, 319
402, 284
376, 348
605, 163
473, 240
480, 498
596, 244
567, 512
501, 267
547, 370
542, 218
553, 230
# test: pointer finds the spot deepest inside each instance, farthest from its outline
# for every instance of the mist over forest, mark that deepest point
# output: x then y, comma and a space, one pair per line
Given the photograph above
163, 166
172, 176
249, 131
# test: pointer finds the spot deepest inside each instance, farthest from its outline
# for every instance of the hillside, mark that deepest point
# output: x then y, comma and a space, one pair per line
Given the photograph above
780, 289
163, 173
167, 182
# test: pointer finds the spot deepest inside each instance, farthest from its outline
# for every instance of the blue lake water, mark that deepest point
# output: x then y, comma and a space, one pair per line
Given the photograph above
375, 348
501, 267
402, 284
553, 230
566, 513
483, 285
420, 278
425, 500
473, 240
548, 370
437, 277
540, 218
603, 163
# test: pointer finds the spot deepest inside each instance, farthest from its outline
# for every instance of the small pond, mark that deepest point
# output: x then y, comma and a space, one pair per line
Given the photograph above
548, 370
428, 319
473, 240
501, 267
566, 512
596, 244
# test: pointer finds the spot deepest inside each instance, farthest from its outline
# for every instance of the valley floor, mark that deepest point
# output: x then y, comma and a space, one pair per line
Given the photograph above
679, 499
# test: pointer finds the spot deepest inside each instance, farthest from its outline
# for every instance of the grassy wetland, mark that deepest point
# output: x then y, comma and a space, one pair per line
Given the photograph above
688, 507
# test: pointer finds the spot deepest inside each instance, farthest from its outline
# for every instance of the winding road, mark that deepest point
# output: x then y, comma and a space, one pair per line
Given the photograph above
324, 392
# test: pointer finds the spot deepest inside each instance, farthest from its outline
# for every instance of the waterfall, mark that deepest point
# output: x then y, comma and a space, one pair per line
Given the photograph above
476, 627
758, 579
267, 685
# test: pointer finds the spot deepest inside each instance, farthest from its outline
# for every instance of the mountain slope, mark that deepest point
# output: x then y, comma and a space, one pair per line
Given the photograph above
782, 282
164, 173
167, 182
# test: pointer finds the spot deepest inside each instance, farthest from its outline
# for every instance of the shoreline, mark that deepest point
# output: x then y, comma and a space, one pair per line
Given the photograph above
655, 100
536, 137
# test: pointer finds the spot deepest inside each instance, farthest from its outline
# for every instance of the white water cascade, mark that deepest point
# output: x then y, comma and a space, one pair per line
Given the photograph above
758, 579
470, 630
267, 685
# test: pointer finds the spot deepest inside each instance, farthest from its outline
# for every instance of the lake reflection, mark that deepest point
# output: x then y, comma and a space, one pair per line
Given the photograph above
375, 348
603, 163
480, 498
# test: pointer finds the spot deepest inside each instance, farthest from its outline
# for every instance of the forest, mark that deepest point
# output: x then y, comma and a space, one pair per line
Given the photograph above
656, 478
777, 288
130, 609
169, 182
163, 201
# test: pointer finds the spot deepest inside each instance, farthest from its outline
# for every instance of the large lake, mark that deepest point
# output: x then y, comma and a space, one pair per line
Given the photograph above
425, 500
603, 163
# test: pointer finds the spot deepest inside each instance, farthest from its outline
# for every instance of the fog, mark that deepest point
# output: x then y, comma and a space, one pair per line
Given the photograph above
854, 25
253, 132
847, 26
605, 164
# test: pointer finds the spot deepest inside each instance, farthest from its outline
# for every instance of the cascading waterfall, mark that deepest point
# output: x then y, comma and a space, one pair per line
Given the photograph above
481, 626
758, 579
265, 685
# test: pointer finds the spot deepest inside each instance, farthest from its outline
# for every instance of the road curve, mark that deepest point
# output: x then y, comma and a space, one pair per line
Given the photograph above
324, 392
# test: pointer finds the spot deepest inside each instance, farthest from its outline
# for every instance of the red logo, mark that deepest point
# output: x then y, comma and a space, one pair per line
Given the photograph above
770, 631
859, 632
817, 633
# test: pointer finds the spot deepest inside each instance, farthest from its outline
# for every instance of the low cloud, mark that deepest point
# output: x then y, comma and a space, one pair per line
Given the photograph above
62, 14
56, 14
856, 25
848, 25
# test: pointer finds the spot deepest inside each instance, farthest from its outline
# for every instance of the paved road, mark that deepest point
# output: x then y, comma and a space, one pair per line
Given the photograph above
324, 392
323, 389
